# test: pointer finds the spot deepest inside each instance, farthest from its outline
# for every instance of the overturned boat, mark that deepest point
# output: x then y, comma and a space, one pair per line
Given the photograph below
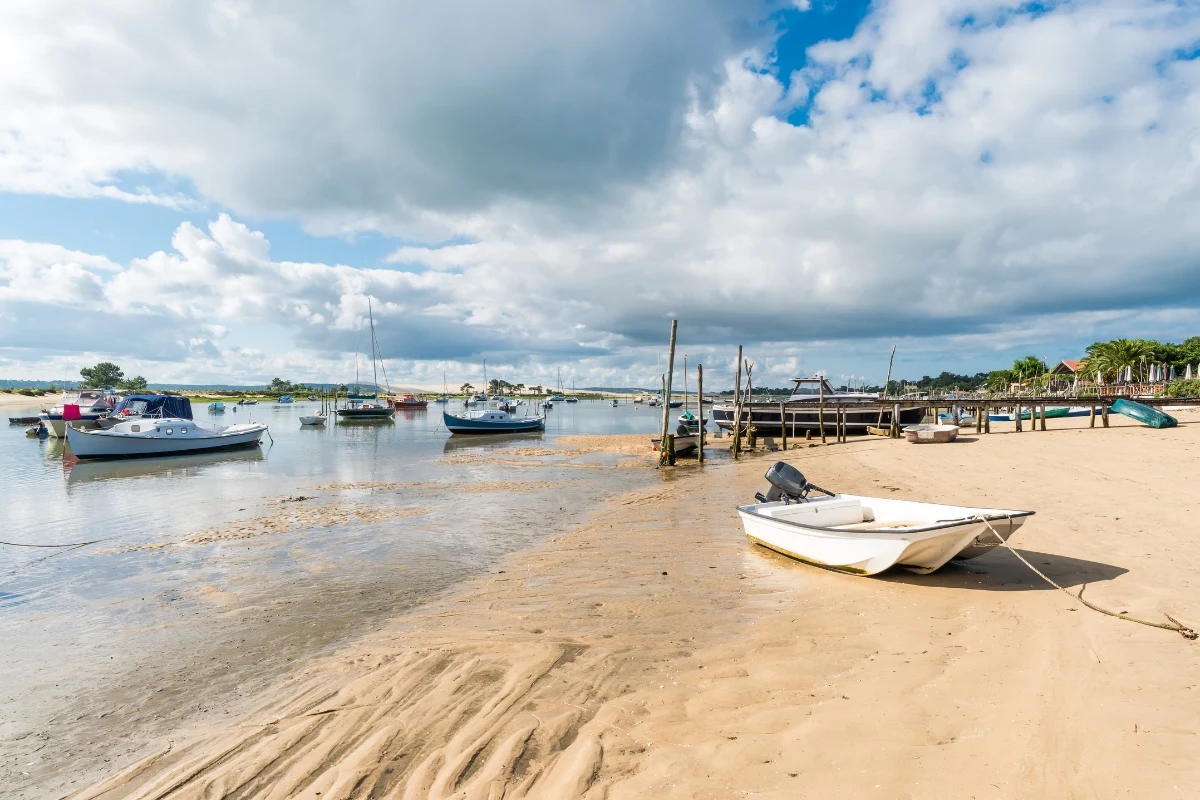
802, 411
867, 535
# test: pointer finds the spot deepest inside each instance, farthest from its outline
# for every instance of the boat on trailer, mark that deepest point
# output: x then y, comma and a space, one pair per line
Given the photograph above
867, 535
768, 421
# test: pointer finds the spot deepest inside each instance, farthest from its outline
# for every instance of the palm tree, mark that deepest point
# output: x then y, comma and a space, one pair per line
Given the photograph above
1109, 358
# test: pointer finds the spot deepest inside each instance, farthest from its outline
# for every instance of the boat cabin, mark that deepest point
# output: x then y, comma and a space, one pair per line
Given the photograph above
810, 388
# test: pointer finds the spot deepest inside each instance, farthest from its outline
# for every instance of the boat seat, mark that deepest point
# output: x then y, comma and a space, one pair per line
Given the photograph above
829, 513
881, 525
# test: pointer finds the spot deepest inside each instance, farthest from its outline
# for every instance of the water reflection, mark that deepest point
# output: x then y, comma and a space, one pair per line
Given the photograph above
86, 470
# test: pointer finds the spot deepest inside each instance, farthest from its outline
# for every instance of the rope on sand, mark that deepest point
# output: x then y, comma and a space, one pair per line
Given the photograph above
69, 544
1174, 625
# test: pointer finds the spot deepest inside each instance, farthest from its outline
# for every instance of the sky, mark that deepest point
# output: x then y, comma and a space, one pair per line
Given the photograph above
213, 191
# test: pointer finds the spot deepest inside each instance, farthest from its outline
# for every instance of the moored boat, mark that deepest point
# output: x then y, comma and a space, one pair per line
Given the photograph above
216, 408
491, 420
931, 434
803, 412
286, 398
409, 401
159, 436
867, 535
88, 405
314, 420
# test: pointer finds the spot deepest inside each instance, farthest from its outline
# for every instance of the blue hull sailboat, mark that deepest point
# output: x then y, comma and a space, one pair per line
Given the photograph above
491, 421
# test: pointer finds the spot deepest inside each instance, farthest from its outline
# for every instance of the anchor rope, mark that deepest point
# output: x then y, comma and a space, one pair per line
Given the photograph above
1174, 625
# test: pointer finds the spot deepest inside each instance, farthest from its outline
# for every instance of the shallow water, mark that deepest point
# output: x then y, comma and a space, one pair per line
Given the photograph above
207, 581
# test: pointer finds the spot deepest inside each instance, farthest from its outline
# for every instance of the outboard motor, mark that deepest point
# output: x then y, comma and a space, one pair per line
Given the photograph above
787, 484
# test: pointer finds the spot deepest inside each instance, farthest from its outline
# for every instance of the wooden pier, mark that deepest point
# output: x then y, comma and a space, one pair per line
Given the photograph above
831, 413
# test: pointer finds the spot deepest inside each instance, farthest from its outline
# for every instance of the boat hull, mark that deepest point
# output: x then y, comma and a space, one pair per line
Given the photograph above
106, 444
870, 552
58, 427
366, 413
463, 425
766, 419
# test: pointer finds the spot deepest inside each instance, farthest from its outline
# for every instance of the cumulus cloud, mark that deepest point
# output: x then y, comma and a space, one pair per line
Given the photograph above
962, 174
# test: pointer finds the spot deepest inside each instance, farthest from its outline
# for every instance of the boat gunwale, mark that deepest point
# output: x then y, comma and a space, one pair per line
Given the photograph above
937, 525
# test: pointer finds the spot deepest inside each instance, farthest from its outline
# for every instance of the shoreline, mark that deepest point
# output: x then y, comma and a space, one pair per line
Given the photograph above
578, 668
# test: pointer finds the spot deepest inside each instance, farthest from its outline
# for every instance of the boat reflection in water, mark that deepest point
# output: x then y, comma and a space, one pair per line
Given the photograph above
87, 470
497, 441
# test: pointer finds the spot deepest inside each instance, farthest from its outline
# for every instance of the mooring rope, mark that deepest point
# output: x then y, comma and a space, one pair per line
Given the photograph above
1174, 625
68, 544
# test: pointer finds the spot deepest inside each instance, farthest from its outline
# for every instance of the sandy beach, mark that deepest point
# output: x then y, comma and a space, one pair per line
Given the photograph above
652, 651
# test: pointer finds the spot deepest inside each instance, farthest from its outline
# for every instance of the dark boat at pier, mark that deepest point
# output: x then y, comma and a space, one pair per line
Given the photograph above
862, 410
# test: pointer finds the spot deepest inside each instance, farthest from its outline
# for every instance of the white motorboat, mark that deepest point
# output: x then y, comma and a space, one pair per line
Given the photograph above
160, 436
78, 404
867, 535
931, 434
315, 420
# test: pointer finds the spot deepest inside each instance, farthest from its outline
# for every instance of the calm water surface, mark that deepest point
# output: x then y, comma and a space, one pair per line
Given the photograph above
110, 645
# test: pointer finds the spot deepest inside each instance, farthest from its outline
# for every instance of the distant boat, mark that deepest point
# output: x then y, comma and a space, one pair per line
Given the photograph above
149, 436
572, 398
491, 421
24, 420
312, 398
247, 402
287, 398
1055, 412
613, 402
654, 401
408, 401
362, 406
676, 403
216, 408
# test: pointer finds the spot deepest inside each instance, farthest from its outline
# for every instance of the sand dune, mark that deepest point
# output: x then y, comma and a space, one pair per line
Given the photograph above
654, 653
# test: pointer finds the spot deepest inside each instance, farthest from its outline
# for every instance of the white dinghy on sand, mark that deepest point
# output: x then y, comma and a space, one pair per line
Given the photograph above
867, 535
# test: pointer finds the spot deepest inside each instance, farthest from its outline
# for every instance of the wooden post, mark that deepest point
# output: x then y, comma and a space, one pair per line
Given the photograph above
894, 428
987, 417
737, 406
1017, 416
1104, 415
663, 456
886, 384
978, 420
700, 403
1043, 416
783, 426
669, 448
808, 434
1092, 417
821, 408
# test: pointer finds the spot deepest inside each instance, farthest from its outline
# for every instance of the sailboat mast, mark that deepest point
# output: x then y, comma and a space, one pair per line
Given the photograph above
374, 370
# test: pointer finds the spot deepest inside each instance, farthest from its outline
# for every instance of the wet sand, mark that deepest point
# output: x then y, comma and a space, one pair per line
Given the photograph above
653, 652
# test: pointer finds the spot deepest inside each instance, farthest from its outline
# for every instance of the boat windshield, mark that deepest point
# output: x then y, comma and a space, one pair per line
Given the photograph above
810, 387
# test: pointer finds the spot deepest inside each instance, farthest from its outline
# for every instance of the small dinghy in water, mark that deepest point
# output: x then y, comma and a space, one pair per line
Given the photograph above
867, 535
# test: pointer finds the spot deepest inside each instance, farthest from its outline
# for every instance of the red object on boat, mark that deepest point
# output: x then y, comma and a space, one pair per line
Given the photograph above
408, 401
71, 412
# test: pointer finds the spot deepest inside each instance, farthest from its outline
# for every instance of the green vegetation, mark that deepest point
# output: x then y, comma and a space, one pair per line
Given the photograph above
106, 375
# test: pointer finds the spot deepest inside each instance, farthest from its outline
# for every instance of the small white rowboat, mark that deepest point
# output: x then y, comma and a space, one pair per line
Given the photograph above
867, 535
314, 420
